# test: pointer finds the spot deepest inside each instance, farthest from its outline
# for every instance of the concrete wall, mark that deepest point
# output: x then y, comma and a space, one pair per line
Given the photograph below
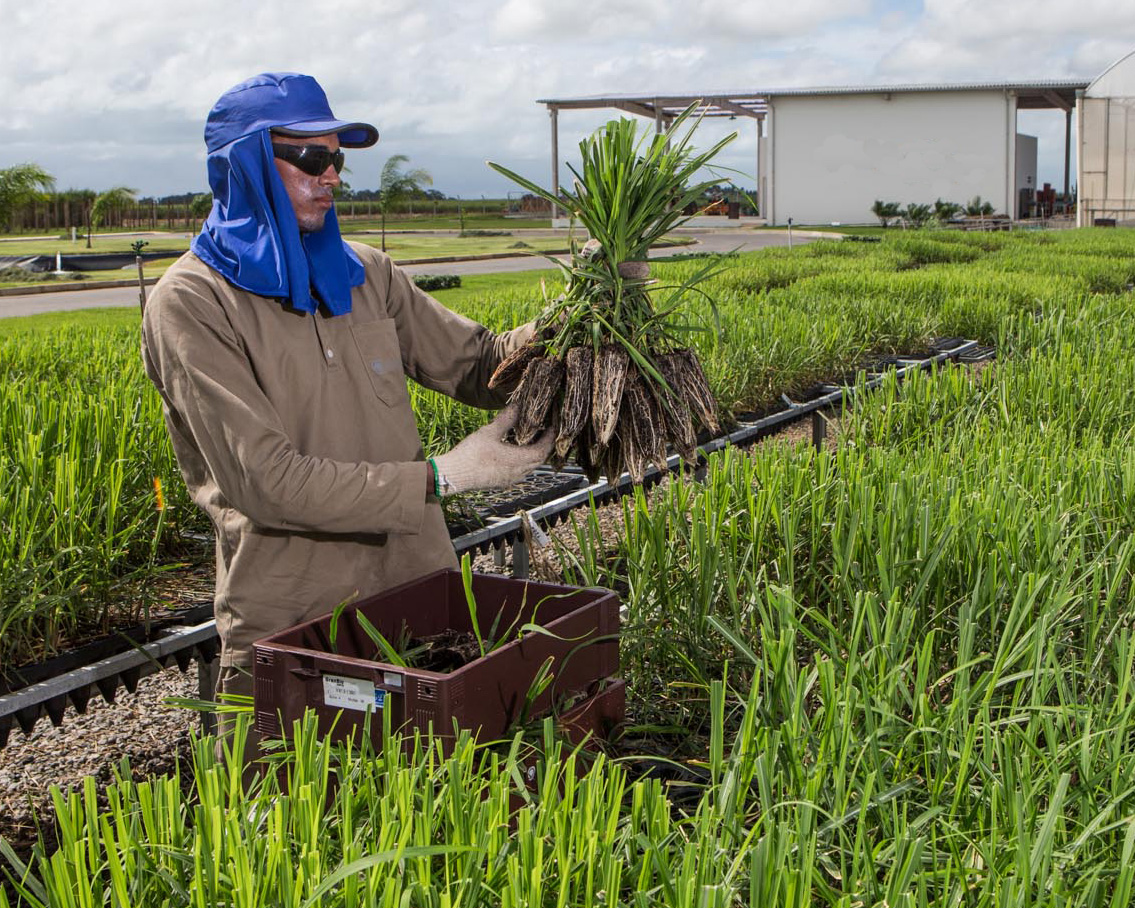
832, 156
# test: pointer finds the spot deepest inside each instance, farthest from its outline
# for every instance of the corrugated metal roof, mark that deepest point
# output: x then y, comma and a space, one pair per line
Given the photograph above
763, 93
1045, 85
1036, 95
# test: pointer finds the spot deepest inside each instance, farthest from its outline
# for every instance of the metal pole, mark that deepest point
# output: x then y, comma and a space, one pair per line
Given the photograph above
1080, 221
1011, 155
819, 430
758, 173
1067, 154
141, 285
770, 165
207, 673
520, 565
554, 114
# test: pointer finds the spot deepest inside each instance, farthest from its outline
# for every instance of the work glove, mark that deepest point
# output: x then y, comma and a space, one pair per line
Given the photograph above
483, 460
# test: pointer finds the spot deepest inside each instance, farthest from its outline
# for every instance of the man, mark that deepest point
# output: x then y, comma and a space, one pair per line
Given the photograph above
281, 353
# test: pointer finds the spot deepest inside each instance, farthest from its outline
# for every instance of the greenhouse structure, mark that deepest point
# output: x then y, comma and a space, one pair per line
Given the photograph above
1106, 125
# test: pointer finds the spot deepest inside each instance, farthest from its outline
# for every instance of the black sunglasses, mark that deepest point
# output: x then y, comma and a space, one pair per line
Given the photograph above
311, 159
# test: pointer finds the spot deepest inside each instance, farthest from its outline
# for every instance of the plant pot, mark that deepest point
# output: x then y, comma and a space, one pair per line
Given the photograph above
345, 680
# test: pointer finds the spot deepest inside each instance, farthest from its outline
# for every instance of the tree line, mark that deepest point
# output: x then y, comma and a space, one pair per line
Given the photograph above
29, 201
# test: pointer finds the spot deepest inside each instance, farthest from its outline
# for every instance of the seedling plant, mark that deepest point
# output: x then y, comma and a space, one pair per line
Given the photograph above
611, 370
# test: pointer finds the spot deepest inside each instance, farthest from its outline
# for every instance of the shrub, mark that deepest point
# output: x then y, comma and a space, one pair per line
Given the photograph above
430, 282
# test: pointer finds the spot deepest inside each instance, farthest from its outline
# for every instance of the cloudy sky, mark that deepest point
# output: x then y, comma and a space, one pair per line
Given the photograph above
104, 93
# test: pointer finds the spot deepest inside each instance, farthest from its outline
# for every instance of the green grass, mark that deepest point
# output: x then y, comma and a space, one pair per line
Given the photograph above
155, 242
400, 246
502, 296
151, 271
474, 220
404, 246
49, 323
789, 318
896, 672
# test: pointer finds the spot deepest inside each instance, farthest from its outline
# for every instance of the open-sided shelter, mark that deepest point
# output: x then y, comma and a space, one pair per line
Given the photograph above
827, 154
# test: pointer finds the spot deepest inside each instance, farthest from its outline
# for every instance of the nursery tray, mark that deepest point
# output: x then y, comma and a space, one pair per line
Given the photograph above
477, 509
343, 677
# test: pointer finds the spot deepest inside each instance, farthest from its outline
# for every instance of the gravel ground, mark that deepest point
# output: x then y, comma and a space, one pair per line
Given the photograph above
140, 727
155, 736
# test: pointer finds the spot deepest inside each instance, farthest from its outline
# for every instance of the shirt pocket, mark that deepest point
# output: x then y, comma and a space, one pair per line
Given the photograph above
381, 355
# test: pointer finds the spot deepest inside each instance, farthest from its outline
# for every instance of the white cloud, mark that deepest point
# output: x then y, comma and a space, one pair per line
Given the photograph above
982, 20
596, 21
745, 20
1015, 39
103, 93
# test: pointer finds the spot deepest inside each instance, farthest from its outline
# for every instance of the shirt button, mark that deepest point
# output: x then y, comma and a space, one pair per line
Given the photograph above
330, 353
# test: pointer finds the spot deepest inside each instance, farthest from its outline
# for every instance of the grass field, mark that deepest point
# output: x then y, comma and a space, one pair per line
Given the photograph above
893, 672
402, 246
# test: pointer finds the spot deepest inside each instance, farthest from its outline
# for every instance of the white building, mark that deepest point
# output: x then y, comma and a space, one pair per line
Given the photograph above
832, 153
827, 154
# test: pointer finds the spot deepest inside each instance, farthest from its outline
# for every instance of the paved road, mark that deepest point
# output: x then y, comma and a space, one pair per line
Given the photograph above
723, 240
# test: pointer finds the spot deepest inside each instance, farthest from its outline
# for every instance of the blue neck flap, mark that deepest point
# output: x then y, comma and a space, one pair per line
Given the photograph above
252, 239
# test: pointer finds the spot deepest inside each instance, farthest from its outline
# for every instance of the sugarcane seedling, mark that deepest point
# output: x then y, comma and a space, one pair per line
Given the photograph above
609, 377
676, 413
575, 410
690, 384
534, 396
511, 369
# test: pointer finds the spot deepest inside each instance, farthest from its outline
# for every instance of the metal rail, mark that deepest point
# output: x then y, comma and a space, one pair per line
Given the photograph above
185, 644
181, 645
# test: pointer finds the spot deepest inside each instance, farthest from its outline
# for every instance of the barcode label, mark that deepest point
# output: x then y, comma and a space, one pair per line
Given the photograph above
352, 693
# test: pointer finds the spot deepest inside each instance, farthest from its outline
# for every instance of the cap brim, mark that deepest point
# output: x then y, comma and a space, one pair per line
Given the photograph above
351, 135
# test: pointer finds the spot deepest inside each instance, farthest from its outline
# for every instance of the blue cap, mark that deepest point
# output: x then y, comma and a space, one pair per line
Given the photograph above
287, 103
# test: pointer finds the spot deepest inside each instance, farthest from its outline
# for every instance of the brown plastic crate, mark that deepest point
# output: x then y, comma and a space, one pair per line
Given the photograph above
596, 718
297, 668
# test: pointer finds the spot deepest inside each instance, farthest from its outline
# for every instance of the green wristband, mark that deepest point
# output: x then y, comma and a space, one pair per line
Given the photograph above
437, 477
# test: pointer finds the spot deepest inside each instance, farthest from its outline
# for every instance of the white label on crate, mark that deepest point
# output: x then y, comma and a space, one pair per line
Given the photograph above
352, 693
390, 679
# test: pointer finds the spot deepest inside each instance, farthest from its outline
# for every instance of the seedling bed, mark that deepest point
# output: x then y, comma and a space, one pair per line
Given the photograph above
333, 665
120, 641
536, 489
76, 685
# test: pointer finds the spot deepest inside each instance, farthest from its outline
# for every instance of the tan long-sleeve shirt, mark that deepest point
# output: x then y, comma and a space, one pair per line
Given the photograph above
294, 432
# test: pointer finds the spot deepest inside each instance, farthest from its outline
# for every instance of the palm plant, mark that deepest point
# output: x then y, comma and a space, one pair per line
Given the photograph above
885, 211
978, 207
396, 184
944, 211
107, 205
20, 184
916, 215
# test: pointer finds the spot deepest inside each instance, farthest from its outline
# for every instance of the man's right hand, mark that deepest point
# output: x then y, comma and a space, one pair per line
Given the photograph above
483, 460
